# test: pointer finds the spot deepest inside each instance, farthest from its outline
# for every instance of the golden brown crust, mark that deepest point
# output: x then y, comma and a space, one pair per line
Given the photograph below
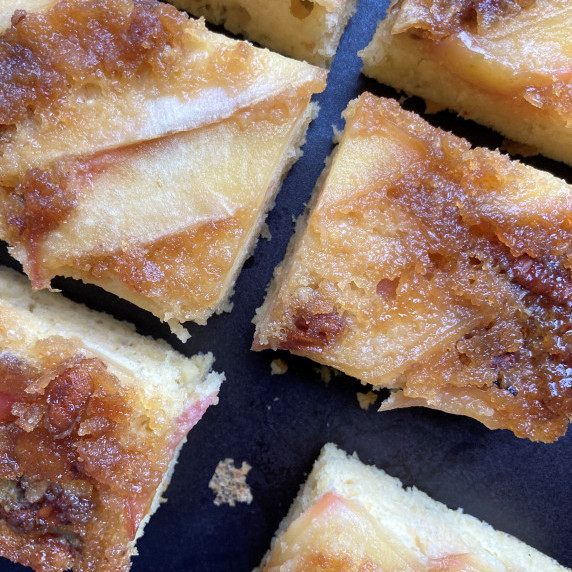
91, 418
449, 267
437, 19
503, 63
179, 263
136, 69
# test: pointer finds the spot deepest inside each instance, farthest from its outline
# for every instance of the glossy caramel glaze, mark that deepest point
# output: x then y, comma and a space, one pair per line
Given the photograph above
440, 18
168, 267
79, 464
450, 269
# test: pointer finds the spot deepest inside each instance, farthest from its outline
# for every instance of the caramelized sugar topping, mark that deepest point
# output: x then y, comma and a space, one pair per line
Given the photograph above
314, 331
449, 232
42, 54
190, 266
514, 50
441, 18
36, 207
79, 463
85, 47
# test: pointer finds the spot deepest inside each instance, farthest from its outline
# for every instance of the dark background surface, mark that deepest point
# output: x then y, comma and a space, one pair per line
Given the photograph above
278, 424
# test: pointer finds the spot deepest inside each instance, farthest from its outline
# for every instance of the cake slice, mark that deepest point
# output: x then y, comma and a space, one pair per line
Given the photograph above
350, 516
86, 76
506, 64
303, 29
165, 223
436, 270
92, 417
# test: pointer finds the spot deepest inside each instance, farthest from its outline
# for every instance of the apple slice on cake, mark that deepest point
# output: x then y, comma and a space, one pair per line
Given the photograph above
352, 517
148, 166
506, 64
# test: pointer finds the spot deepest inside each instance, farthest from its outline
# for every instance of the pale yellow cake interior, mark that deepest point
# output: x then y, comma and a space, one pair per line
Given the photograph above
303, 29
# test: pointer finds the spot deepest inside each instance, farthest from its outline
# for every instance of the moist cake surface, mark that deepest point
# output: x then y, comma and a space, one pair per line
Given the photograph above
8, 7
351, 517
506, 64
438, 271
303, 29
91, 420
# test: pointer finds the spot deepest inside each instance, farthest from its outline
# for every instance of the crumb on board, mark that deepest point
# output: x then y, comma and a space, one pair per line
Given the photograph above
229, 483
432, 107
278, 367
366, 400
326, 373
265, 232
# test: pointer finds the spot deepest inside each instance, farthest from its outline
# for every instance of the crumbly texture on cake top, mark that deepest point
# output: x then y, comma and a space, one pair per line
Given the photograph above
60, 71
349, 516
437, 270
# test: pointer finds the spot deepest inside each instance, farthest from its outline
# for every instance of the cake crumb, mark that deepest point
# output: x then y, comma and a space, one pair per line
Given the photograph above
326, 373
432, 107
366, 399
278, 367
265, 232
178, 330
229, 483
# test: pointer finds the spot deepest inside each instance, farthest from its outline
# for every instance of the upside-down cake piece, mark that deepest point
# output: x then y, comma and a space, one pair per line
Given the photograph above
506, 64
166, 223
90, 75
352, 517
436, 270
92, 417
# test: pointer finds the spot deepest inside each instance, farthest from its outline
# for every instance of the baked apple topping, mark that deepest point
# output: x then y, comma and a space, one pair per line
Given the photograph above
339, 534
80, 460
484, 43
449, 267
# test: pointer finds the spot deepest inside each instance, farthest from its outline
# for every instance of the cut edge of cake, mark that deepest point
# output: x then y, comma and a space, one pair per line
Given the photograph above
307, 30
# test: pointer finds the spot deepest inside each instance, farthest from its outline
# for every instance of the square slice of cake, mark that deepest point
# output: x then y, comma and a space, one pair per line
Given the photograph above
91, 75
436, 270
165, 223
92, 417
303, 29
352, 517
506, 64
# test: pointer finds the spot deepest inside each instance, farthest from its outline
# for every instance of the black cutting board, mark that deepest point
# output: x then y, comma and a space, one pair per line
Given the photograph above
278, 424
